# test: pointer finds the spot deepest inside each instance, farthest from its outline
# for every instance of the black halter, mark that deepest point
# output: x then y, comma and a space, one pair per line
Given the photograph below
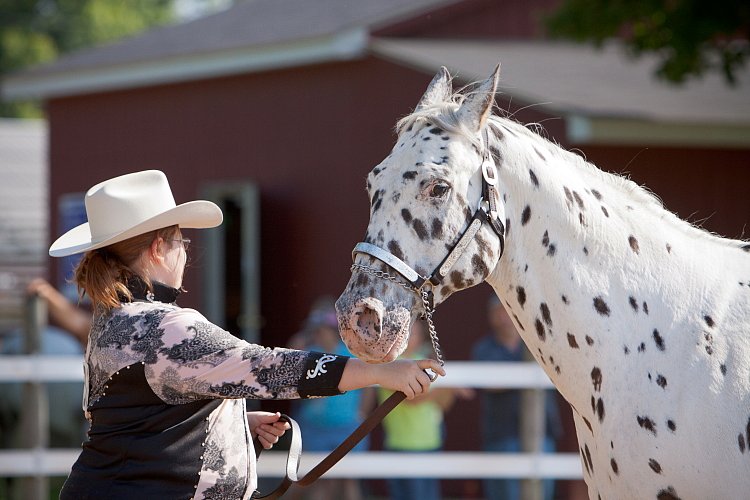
486, 212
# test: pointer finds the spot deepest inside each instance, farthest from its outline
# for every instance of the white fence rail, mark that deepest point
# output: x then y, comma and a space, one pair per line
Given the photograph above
446, 465
39, 368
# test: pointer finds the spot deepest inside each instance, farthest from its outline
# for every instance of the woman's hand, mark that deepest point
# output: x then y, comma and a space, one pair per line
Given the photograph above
266, 427
407, 376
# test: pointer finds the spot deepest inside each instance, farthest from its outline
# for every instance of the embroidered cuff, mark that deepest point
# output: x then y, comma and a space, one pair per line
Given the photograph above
322, 375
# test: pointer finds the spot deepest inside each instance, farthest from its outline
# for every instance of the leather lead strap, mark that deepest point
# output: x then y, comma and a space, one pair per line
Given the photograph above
295, 449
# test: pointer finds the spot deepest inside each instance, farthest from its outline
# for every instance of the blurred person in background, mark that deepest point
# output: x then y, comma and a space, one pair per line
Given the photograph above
72, 318
326, 422
501, 408
165, 388
65, 334
318, 311
417, 425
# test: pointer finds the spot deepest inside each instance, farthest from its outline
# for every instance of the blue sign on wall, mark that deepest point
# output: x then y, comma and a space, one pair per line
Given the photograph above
72, 213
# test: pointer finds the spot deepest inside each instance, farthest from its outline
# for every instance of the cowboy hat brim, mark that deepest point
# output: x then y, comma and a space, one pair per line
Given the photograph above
198, 214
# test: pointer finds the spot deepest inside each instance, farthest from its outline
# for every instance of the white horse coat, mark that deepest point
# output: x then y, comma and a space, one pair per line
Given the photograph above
641, 320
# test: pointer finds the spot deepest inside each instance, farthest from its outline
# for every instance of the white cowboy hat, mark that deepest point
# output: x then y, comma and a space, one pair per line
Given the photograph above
129, 205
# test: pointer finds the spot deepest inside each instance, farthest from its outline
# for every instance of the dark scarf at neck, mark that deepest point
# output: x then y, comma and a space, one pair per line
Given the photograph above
161, 292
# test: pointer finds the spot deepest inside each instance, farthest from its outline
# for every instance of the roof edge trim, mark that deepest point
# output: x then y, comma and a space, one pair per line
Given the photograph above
620, 131
345, 45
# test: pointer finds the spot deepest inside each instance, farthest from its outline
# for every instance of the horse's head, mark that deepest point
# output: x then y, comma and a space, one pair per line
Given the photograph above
432, 226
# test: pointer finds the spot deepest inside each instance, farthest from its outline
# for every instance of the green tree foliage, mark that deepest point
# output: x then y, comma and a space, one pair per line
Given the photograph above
37, 31
689, 37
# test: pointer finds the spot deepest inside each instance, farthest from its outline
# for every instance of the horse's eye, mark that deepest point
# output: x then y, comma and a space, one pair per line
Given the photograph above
439, 190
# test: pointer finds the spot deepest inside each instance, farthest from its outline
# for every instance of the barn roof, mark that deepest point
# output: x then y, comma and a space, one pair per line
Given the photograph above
604, 95
250, 36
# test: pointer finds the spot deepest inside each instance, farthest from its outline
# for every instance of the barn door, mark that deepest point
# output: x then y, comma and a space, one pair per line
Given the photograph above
232, 261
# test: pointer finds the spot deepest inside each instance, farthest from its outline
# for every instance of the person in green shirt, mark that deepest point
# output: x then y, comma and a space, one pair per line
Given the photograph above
416, 426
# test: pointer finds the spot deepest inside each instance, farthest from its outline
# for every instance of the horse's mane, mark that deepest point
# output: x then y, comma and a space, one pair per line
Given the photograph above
639, 194
445, 116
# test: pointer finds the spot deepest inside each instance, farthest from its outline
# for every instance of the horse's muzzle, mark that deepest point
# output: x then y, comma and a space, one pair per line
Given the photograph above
371, 332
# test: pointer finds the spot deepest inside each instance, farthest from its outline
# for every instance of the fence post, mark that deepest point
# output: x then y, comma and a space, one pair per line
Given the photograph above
532, 433
34, 402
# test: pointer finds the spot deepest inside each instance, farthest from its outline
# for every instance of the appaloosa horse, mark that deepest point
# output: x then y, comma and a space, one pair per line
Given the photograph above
641, 320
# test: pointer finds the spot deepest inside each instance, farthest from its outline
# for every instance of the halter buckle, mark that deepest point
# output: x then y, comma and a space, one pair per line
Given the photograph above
488, 172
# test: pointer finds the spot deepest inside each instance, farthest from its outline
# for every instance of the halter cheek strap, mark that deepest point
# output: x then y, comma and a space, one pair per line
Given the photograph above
416, 280
486, 212
422, 285
491, 194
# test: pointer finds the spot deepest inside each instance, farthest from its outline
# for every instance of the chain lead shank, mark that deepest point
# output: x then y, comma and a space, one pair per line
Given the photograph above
425, 296
426, 303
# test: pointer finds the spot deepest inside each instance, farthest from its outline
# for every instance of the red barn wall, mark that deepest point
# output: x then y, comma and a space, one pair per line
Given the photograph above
307, 137
704, 186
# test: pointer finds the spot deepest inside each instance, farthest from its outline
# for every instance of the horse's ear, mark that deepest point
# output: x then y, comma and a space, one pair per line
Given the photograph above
478, 105
439, 89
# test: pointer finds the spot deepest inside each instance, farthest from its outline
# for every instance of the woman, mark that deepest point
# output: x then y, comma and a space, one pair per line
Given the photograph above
165, 388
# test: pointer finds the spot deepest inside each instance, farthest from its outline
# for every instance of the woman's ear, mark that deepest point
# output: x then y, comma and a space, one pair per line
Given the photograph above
156, 250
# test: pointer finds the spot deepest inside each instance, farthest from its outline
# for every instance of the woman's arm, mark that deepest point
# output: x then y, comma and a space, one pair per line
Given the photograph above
407, 376
200, 359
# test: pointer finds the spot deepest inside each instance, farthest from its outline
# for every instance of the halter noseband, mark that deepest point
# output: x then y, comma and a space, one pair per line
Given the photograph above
422, 285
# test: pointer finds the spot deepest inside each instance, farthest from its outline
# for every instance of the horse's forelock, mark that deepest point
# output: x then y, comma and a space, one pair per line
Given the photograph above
443, 115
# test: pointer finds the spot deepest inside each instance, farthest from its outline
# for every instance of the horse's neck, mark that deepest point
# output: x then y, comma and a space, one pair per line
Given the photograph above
584, 255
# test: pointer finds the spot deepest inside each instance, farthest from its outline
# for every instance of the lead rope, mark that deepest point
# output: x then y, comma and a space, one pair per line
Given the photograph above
295, 449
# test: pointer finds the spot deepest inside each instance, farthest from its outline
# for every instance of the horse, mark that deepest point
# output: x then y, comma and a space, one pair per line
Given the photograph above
640, 319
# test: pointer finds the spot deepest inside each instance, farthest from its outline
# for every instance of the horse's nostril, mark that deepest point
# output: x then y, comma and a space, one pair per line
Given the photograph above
369, 321
367, 318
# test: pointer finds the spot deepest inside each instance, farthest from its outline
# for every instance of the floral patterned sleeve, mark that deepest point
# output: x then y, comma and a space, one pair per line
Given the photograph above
199, 360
